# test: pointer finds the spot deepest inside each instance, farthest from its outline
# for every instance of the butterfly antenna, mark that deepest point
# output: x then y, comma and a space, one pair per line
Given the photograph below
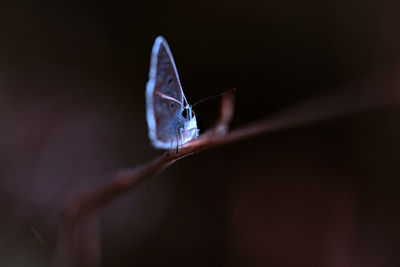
168, 98
215, 96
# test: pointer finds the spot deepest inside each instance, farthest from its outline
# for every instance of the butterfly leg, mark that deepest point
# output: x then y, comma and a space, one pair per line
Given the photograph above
177, 140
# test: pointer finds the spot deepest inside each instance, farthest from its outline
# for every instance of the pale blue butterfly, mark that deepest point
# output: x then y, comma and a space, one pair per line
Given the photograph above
170, 118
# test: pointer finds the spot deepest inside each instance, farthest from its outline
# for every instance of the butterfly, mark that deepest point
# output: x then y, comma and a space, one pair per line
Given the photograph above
170, 118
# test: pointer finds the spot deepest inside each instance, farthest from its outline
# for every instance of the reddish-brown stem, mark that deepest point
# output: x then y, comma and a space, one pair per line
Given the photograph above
84, 206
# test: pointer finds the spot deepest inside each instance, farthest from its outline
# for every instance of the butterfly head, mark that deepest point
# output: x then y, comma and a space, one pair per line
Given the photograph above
190, 130
187, 112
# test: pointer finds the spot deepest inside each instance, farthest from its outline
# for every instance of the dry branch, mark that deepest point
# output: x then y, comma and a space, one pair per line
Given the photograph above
83, 207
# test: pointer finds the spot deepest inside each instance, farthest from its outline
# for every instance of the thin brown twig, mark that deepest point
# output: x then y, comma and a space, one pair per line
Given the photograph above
84, 206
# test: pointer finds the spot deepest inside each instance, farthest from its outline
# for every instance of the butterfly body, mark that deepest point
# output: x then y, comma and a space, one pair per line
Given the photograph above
170, 118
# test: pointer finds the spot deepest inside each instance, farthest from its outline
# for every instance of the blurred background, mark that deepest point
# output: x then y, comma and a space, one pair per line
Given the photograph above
72, 110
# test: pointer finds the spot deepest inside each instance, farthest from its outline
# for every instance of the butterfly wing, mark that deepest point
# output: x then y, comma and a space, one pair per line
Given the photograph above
162, 113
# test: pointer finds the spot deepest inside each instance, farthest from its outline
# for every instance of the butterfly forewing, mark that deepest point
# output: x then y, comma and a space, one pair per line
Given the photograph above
164, 79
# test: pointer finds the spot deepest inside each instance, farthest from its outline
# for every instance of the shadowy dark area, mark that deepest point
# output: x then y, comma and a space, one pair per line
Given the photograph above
72, 110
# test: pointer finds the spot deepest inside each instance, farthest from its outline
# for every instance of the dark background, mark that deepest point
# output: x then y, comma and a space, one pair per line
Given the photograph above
72, 110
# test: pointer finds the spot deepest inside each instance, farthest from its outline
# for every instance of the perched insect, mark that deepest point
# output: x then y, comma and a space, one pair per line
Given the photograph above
170, 118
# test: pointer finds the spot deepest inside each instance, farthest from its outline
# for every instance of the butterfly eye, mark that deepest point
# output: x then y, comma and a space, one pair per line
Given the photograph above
172, 105
185, 113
